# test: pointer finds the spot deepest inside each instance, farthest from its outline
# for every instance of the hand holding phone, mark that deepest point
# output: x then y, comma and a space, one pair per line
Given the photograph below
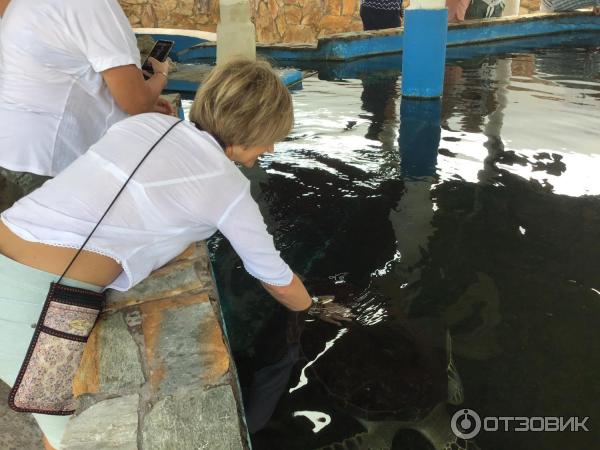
160, 52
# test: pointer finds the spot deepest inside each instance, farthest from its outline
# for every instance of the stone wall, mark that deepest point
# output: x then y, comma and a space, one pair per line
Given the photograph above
303, 20
529, 6
276, 20
156, 373
184, 14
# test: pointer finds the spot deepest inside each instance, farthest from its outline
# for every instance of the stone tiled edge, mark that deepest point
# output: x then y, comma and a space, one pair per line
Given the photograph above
157, 371
355, 35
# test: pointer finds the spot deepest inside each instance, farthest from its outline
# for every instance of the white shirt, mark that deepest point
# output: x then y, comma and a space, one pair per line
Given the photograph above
54, 103
185, 190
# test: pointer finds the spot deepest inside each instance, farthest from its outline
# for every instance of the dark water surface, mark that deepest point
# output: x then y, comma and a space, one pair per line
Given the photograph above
482, 213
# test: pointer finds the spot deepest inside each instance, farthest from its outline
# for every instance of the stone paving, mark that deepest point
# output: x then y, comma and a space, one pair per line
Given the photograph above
191, 72
157, 372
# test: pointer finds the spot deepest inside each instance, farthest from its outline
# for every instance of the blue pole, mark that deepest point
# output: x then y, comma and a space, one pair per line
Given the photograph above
424, 53
419, 140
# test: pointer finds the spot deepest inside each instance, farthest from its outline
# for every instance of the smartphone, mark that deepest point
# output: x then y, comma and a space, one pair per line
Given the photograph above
160, 51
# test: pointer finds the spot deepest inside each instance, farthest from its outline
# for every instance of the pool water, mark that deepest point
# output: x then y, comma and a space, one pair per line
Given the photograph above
482, 213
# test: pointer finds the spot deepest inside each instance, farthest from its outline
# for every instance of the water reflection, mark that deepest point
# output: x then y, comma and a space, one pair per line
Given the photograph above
484, 216
380, 98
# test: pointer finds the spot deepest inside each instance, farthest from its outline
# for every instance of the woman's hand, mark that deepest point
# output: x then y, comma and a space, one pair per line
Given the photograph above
164, 106
328, 311
324, 308
159, 67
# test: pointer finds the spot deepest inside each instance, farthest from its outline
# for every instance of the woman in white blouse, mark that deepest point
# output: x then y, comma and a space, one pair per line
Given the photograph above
188, 188
69, 69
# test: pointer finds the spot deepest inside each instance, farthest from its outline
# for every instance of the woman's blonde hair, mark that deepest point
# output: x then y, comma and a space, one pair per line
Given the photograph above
244, 102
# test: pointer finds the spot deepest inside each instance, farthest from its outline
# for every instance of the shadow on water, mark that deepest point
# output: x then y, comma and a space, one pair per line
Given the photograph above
480, 214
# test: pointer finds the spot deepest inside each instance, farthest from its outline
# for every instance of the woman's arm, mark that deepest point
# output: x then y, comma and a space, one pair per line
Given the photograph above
101, 32
244, 227
133, 94
293, 296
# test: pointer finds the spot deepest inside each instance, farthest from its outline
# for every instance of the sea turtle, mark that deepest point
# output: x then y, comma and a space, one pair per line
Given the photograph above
390, 378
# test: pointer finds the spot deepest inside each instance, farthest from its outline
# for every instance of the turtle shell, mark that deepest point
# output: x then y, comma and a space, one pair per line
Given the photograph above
387, 371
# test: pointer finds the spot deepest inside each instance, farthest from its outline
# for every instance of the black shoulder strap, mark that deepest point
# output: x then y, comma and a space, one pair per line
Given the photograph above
115, 199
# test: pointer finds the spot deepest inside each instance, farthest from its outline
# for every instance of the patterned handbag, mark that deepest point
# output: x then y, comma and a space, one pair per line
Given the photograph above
45, 382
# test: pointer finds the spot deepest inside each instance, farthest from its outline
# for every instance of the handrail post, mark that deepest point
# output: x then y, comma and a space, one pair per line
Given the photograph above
236, 35
424, 54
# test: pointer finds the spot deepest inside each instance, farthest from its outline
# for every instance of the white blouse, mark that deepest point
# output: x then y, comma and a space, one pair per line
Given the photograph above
54, 102
185, 190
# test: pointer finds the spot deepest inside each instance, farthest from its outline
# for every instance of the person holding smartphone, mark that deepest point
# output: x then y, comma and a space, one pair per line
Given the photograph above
69, 69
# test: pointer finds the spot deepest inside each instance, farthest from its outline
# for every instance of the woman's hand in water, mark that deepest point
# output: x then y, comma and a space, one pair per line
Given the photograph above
327, 310
324, 308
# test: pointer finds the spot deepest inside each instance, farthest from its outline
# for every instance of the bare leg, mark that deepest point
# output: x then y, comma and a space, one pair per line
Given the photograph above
47, 445
3, 5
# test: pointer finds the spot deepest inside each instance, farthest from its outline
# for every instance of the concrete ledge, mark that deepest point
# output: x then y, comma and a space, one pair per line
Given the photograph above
206, 35
188, 78
183, 38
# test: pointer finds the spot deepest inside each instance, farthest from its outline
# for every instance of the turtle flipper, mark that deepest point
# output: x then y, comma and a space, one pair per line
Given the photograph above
379, 436
455, 386
357, 442
436, 429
